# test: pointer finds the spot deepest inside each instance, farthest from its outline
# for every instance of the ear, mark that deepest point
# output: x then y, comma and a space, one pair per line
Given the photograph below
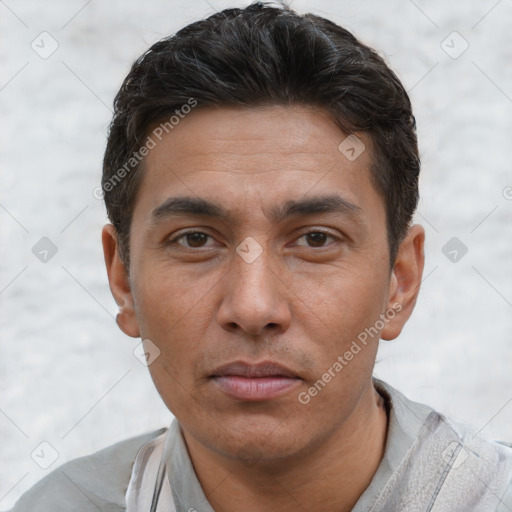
119, 282
405, 281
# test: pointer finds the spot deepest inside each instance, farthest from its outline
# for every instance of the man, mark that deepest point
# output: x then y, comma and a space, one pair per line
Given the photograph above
261, 174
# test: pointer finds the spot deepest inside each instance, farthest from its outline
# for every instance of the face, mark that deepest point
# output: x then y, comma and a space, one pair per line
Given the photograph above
258, 256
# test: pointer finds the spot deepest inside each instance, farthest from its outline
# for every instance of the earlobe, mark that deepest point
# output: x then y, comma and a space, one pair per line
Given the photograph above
405, 281
119, 282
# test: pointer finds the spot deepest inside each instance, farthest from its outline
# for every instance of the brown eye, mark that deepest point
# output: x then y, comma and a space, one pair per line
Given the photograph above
193, 240
196, 239
315, 239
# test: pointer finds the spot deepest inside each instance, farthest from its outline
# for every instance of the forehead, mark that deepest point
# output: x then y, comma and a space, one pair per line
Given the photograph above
263, 155
296, 132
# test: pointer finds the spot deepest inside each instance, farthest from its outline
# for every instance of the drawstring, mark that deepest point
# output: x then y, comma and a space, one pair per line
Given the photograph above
162, 472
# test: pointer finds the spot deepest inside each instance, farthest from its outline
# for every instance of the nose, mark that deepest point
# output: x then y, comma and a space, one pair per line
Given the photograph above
254, 298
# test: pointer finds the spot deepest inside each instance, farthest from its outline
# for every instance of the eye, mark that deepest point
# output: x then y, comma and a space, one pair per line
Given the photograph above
192, 240
315, 239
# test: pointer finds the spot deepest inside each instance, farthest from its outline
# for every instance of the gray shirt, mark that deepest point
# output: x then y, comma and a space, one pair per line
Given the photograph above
429, 465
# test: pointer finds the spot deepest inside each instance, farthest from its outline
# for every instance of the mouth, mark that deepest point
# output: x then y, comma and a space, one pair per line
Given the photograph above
255, 382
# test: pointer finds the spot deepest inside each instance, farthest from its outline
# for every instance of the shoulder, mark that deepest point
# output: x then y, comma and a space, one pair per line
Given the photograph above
95, 482
458, 469
505, 504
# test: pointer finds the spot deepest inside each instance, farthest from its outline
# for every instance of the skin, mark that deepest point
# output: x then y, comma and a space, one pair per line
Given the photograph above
301, 303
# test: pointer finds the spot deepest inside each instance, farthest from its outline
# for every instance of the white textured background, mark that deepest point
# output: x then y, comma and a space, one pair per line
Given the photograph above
68, 375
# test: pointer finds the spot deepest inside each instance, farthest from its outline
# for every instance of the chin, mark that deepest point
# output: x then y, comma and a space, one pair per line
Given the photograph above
258, 444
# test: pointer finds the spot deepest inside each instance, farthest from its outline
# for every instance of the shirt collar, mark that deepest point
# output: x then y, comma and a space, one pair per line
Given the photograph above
405, 420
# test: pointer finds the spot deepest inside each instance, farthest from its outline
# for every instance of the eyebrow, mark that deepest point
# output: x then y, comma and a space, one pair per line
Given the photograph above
192, 206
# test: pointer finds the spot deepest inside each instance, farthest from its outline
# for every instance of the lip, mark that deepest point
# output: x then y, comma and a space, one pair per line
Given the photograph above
258, 382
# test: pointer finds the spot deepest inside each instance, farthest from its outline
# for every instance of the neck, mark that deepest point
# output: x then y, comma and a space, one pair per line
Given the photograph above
330, 477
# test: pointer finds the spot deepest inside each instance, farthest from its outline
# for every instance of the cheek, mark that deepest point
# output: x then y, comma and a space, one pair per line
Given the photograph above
336, 318
173, 313
165, 297
170, 313
341, 305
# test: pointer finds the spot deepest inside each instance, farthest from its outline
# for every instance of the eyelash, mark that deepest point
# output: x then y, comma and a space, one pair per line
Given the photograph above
176, 239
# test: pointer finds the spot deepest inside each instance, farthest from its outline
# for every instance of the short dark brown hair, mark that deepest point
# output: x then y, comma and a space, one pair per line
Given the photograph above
258, 56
